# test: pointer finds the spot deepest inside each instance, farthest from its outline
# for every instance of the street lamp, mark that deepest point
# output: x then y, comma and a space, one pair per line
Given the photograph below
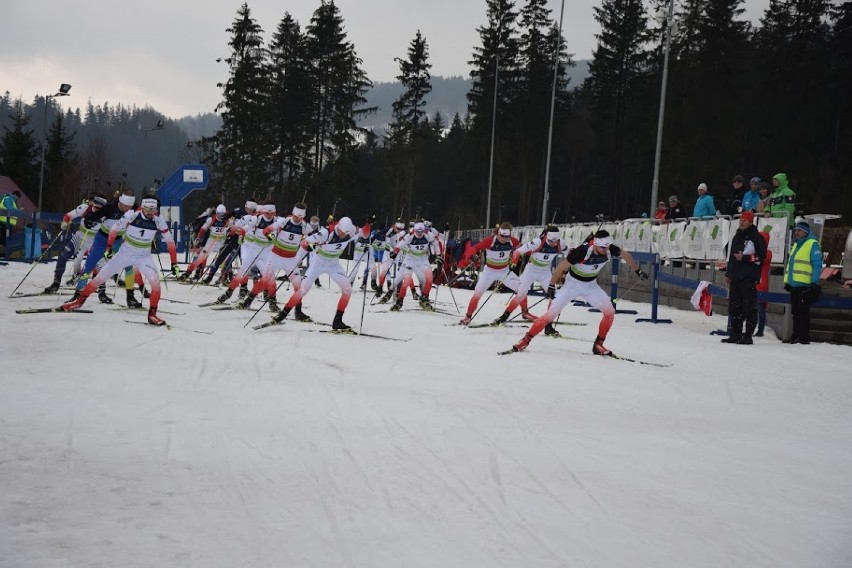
493, 119
62, 92
546, 196
655, 184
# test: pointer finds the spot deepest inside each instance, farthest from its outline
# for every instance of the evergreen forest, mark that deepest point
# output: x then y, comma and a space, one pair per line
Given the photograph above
741, 99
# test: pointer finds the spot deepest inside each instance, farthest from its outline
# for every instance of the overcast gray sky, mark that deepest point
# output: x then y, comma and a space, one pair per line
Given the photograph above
162, 52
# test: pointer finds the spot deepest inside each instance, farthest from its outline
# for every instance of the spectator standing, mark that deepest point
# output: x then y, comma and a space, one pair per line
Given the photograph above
661, 212
676, 210
704, 207
782, 202
747, 254
764, 190
801, 279
734, 206
7, 223
752, 196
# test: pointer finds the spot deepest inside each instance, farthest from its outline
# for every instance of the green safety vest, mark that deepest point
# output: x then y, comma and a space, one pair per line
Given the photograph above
8, 202
803, 270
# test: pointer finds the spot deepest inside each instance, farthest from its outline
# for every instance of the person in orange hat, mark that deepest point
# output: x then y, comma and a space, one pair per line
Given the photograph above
747, 255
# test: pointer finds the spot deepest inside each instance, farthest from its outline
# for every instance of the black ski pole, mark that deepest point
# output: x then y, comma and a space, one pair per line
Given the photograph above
35, 262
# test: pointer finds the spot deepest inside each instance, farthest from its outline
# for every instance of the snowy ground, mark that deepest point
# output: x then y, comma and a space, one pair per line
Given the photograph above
130, 445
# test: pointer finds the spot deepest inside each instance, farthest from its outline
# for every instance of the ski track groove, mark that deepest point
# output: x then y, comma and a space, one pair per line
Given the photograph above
476, 501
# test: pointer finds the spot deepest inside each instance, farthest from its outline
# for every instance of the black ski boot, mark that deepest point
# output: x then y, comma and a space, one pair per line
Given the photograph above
280, 316
338, 324
397, 306
502, 319
132, 302
53, 288
244, 291
207, 280
225, 296
273, 305
386, 298
245, 303
145, 293
550, 330
426, 304
102, 296
300, 315
317, 283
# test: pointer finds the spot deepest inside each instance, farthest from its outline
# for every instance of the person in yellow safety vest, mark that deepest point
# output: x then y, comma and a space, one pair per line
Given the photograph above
801, 279
7, 223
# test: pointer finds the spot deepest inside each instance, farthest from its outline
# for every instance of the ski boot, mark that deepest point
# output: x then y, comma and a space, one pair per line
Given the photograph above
244, 291
207, 280
551, 331
386, 298
103, 297
132, 302
153, 319
300, 315
280, 316
225, 296
145, 293
338, 324
465, 320
75, 302
273, 305
245, 303
53, 288
598, 347
522, 344
397, 306
502, 319
426, 304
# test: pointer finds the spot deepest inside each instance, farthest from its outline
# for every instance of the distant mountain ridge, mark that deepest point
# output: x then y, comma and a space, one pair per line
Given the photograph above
448, 95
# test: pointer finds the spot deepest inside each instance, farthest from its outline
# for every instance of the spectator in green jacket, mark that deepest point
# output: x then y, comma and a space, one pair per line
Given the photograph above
782, 202
8, 222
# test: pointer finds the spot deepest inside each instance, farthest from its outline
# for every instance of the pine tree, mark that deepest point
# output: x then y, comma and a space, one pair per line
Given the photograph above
794, 62
841, 105
339, 85
245, 134
618, 63
61, 189
20, 154
290, 106
494, 76
406, 136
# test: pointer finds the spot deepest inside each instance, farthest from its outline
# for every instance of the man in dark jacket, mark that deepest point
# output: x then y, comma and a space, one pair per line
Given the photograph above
747, 254
676, 210
734, 205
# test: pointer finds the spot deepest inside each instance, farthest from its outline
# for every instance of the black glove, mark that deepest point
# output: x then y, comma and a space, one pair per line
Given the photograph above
439, 261
393, 254
431, 259
551, 291
787, 287
176, 269
447, 227
641, 274
108, 253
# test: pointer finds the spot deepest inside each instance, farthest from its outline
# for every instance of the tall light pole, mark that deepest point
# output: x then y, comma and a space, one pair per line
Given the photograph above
159, 126
655, 185
493, 121
552, 112
62, 92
